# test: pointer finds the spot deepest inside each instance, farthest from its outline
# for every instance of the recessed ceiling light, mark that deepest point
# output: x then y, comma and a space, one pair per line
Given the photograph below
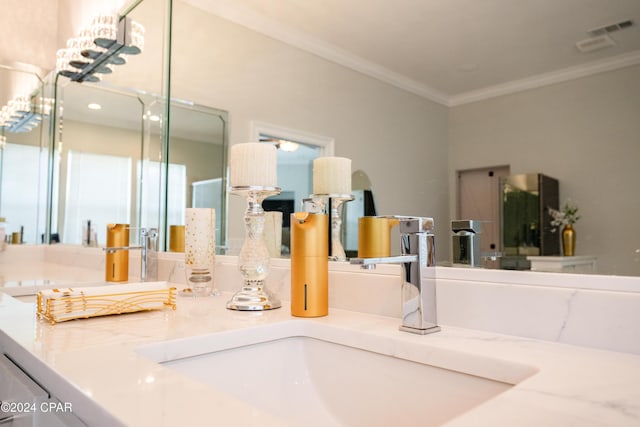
154, 118
287, 145
94, 106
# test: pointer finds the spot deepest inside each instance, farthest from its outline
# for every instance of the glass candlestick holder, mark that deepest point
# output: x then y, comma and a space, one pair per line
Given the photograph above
334, 203
253, 260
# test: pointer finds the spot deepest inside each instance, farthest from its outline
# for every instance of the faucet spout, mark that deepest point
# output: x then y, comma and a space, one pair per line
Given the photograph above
114, 249
365, 263
417, 274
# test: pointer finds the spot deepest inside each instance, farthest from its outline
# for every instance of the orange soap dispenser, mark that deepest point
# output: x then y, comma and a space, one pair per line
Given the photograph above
309, 264
117, 260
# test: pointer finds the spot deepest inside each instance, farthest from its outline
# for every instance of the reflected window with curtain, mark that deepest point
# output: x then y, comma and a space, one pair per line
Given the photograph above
23, 189
150, 200
90, 196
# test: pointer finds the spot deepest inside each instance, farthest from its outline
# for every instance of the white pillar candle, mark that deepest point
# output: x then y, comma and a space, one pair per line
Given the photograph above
332, 175
253, 164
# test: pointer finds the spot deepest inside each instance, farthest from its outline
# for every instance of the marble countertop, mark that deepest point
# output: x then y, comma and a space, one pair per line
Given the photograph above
97, 364
25, 278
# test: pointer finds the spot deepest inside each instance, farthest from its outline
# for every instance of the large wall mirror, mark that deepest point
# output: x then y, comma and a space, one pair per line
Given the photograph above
24, 125
125, 155
582, 131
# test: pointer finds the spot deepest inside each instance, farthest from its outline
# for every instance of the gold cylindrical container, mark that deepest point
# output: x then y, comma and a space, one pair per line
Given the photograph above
176, 238
374, 236
15, 238
117, 262
309, 265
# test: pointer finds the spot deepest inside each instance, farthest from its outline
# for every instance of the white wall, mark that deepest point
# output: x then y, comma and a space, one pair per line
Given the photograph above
399, 139
33, 30
29, 29
585, 133
74, 14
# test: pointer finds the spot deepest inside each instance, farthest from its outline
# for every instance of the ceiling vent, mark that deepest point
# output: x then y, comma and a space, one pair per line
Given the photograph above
595, 43
606, 29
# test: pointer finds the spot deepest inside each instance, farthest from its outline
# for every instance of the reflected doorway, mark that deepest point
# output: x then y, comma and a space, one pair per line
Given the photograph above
479, 199
296, 151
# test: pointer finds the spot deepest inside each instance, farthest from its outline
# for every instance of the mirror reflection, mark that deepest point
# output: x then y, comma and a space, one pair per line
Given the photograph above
107, 134
363, 204
99, 158
122, 154
23, 155
411, 146
110, 162
295, 155
197, 164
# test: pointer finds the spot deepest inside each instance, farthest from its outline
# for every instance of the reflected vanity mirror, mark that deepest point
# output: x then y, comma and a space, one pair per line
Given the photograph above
107, 138
197, 165
23, 153
111, 167
122, 155
98, 159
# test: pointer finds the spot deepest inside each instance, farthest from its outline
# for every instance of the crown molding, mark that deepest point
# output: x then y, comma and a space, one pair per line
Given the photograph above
546, 79
231, 11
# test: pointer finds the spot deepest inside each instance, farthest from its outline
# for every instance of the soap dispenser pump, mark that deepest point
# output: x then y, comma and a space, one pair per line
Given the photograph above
309, 264
117, 259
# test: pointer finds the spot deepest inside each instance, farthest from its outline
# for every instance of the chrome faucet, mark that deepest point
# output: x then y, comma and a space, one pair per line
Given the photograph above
417, 260
149, 238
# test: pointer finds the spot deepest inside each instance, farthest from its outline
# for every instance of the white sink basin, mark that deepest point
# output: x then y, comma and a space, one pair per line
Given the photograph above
312, 382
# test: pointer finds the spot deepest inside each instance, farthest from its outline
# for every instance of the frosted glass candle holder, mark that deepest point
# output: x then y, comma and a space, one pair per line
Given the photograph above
253, 260
200, 251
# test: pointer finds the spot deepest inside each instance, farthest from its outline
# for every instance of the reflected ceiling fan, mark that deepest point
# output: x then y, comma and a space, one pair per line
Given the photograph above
281, 144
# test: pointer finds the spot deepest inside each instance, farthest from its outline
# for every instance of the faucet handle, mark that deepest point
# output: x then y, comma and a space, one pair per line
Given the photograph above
413, 224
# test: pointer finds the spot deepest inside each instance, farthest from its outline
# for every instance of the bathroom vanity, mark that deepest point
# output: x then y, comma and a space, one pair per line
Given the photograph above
515, 349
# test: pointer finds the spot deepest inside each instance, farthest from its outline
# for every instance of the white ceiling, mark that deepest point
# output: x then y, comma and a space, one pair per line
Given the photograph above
450, 51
